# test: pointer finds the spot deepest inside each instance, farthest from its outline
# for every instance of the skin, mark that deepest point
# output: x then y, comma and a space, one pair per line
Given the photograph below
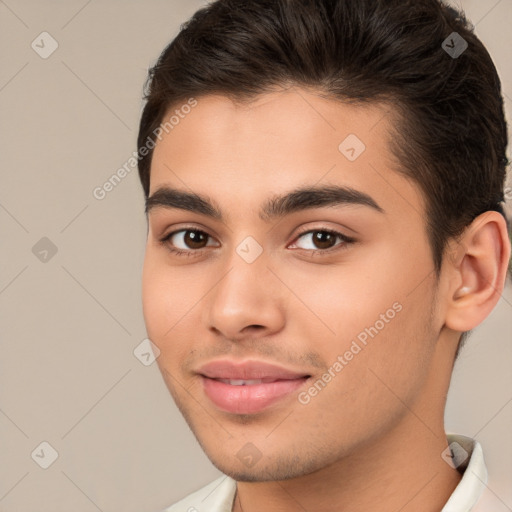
375, 432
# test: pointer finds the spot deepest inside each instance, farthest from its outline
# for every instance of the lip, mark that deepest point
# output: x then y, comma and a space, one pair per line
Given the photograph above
273, 383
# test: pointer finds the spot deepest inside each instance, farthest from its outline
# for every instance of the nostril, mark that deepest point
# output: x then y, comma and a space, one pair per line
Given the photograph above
254, 327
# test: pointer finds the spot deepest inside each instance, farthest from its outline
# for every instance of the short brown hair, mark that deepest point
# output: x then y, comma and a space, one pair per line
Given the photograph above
451, 136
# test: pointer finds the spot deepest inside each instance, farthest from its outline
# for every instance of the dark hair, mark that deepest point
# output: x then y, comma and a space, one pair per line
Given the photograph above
450, 134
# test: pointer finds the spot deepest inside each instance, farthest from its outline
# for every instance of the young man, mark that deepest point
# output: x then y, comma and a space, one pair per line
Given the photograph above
324, 184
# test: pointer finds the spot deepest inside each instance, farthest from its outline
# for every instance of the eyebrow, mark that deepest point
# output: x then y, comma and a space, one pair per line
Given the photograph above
303, 198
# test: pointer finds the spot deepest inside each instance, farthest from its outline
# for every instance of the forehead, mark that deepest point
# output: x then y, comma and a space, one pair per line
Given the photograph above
278, 141
275, 121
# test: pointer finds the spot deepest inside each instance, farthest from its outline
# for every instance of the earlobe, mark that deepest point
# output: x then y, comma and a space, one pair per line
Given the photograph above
479, 271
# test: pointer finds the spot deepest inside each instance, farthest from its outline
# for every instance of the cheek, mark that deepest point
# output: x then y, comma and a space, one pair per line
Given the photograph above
156, 295
378, 375
339, 302
169, 296
400, 342
377, 310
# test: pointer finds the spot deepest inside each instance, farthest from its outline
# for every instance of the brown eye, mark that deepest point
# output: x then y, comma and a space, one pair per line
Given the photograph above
188, 240
323, 239
195, 239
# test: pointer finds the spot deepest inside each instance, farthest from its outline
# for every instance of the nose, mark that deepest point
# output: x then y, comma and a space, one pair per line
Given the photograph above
246, 302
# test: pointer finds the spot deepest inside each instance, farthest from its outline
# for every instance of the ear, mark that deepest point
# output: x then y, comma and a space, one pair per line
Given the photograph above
478, 269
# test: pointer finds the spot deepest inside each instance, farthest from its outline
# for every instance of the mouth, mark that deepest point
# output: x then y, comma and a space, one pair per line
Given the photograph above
249, 387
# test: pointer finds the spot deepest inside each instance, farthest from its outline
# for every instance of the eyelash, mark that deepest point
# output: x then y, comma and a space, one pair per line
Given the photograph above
346, 240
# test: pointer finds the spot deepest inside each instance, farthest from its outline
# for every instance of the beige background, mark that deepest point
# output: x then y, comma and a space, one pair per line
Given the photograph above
68, 375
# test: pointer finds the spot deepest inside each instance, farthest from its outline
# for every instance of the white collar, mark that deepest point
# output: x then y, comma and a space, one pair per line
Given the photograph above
468, 457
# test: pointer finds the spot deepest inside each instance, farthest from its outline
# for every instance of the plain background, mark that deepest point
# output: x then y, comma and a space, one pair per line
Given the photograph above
68, 375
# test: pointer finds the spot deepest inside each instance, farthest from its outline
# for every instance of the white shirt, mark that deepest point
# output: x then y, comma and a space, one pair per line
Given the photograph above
219, 495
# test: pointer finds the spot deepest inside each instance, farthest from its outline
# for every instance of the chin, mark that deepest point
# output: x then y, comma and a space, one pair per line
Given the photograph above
266, 470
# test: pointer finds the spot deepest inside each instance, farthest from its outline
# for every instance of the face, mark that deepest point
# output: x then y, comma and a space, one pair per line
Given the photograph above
299, 291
